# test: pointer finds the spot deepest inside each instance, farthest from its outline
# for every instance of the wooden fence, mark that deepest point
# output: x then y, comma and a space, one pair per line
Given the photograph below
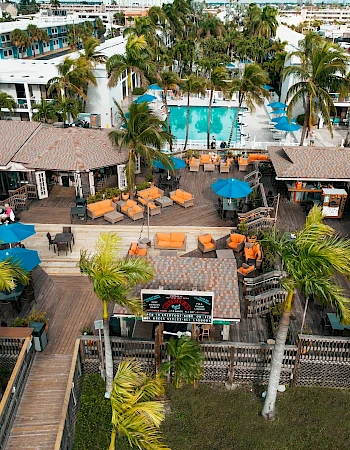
23, 351
314, 361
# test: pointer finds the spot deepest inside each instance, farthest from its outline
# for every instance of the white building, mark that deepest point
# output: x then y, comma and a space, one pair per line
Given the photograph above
327, 15
26, 81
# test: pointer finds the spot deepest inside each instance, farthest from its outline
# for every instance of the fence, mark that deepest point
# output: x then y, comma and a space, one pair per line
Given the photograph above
24, 352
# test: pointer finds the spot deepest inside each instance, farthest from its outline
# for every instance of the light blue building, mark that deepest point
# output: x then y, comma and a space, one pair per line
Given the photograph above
56, 28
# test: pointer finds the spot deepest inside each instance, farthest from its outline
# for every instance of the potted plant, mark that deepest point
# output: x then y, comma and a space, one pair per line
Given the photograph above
229, 154
125, 195
243, 228
86, 331
188, 156
115, 194
196, 154
150, 178
39, 316
20, 322
90, 199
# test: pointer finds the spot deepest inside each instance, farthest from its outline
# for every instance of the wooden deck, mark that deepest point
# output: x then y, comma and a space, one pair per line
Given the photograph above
39, 413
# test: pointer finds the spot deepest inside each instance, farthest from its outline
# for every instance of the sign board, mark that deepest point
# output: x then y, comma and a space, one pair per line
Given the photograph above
330, 212
98, 324
177, 306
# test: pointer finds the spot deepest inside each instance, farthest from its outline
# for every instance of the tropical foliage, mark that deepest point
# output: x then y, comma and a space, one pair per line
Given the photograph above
136, 412
311, 262
322, 70
7, 101
144, 135
186, 361
113, 279
11, 274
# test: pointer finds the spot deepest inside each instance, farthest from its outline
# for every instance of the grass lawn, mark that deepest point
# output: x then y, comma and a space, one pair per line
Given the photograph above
213, 418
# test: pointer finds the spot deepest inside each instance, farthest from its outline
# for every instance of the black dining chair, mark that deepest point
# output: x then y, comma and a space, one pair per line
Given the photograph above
68, 230
49, 238
61, 247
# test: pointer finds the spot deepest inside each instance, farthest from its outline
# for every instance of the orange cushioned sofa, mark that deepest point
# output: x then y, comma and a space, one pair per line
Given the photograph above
99, 209
245, 271
151, 193
182, 198
257, 157
169, 241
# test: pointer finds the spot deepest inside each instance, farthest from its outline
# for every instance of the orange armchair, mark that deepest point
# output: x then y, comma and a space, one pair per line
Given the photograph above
134, 250
236, 242
253, 254
245, 271
206, 243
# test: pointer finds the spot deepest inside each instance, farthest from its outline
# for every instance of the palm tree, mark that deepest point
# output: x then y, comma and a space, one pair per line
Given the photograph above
250, 89
90, 54
55, 3
186, 361
37, 35
268, 23
143, 134
67, 107
311, 261
7, 102
136, 415
322, 70
10, 274
20, 39
192, 85
168, 81
217, 82
113, 279
100, 27
137, 59
73, 77
45, 111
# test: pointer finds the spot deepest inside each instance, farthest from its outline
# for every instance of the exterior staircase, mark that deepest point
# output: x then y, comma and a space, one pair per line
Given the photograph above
19, 198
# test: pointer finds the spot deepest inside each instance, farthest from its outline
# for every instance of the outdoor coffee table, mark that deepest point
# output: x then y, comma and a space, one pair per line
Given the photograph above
144, 243
225, 254
113, 217
163, 201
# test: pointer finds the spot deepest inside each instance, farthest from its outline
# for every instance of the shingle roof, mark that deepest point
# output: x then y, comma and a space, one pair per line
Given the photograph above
69, 149
202, 274
12, 136
316, 163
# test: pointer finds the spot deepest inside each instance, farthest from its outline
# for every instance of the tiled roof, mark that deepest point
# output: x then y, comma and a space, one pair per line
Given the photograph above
12, 136
202, 274
69, 149
316, 163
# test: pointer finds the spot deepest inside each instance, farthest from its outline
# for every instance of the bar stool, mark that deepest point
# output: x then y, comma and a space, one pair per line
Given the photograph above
205, 333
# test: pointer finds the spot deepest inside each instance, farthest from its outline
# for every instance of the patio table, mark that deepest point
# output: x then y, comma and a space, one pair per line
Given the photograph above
163, 201
225, 254
335, 323
13, 296
64, 238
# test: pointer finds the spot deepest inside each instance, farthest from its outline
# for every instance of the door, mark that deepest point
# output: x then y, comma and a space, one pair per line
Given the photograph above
41, 185
122, 183
77, 184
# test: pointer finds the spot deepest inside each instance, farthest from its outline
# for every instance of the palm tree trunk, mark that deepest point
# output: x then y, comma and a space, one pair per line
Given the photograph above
167, 115
113, 436
305, 127
209, 117
241, 97
187, 120
129, 87
108, 350
269, 409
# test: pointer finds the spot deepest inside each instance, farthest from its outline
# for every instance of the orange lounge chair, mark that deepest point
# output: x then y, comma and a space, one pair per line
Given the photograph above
206, 243
236, 242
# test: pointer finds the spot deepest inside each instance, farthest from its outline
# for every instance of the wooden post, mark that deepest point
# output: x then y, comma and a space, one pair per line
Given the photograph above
158, 341
231, 370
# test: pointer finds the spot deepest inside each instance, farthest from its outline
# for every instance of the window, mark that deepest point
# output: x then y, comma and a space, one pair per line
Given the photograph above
3, 38
10, 52
7, 37
5, 52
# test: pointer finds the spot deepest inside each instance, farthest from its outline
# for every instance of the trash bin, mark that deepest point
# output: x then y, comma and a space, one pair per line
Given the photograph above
40, 336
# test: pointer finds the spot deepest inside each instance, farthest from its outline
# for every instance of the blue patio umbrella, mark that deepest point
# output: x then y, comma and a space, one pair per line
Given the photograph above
276, 105
25, 258
145, 98
177, 163
15, 232
231, 188
285, 126
278, 111
267, 87
230, 66
282, 119
155, 87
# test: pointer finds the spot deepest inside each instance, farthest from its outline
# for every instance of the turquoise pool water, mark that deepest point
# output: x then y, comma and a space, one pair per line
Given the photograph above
220, 124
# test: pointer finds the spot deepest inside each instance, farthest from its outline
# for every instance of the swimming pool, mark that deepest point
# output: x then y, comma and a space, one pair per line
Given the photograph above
220, 123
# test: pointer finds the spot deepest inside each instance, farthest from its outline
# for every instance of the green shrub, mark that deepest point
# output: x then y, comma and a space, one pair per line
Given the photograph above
138, 91
143, 185
93, 427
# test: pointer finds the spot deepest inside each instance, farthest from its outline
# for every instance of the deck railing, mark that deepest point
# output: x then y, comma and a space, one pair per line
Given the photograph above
13, 393
18, 198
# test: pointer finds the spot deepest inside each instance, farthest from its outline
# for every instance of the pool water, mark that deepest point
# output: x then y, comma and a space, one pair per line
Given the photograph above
220, 123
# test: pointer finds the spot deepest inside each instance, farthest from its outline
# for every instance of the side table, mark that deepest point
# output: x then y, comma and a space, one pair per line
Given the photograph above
144, 243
